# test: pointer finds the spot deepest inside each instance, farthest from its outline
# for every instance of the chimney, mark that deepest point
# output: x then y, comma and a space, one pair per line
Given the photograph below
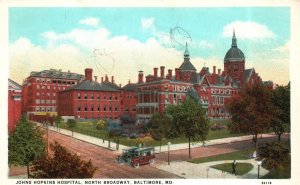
101, 79
162, 71
120, 85
112, 79
106, 78
177, 74
214, 70
129, 81
95, 78
88, 74
141, 76
155, 72
219, 71
170, 74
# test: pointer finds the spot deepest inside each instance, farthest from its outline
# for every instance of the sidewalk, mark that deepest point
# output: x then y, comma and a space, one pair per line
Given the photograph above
164, 148
86, 138
203, 170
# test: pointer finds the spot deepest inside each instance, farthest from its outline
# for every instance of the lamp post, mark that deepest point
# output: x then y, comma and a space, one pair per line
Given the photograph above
207, 170
169, 153
47, 135
258, 165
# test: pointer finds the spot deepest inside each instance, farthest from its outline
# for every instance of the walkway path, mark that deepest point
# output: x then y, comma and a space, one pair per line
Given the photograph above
203, 170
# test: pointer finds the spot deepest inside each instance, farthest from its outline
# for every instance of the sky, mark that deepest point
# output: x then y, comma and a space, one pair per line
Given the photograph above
122, 41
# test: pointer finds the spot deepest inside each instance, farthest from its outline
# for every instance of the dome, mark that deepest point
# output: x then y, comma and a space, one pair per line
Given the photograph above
234, 53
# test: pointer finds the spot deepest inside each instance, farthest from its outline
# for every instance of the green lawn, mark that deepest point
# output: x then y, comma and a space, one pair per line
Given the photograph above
284, 173
89, 128
238, 155
241, 168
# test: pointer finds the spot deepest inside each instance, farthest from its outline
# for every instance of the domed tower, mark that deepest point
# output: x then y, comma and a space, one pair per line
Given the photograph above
234, 61
186, 68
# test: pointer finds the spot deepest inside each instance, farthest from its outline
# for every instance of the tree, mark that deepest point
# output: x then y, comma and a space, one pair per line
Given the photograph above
58, 120
159, 126
274, 156
252, 112
62, 164
71, 124
189, 119
25, 144
281, 100
101, 125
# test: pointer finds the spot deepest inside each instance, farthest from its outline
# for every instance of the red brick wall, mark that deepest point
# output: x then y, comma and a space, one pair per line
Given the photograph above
14, 109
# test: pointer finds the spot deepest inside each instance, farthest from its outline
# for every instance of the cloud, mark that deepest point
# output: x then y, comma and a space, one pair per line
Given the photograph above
147, 23
284, 48
247, 30
205, 44
91, 21
118, 55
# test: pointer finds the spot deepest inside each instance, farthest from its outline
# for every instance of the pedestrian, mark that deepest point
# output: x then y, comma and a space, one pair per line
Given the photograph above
234, 164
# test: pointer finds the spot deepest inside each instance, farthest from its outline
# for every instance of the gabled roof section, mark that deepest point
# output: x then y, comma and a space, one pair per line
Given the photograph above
187, 66
14, 85
247, 74
130, 87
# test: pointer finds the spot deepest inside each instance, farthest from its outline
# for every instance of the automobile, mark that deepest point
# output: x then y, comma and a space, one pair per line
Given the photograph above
142, 156
127, 154
134, 136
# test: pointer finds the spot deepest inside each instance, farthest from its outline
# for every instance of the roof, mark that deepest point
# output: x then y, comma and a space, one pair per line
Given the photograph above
92, 86
187, 66
247, 74
54, 73
130, 87
234, 53
14, 85
111, 85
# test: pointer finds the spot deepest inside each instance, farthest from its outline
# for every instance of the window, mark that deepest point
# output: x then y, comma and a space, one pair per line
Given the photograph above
98, 96
37, 109
37, 101
110, 107
48, 102
48, 94
37, 94
85, 107
42, 101
126, 108
134, 108
85, 96
104, 108
53, 109
98, 108
43, 87
110, 97
116, 97
48, 87
235, 67
166, 87
92, 96
92, 107
48, 109
38, 80
79, 107
53, 102
78, 95
38, 87
116, 107
54, 94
